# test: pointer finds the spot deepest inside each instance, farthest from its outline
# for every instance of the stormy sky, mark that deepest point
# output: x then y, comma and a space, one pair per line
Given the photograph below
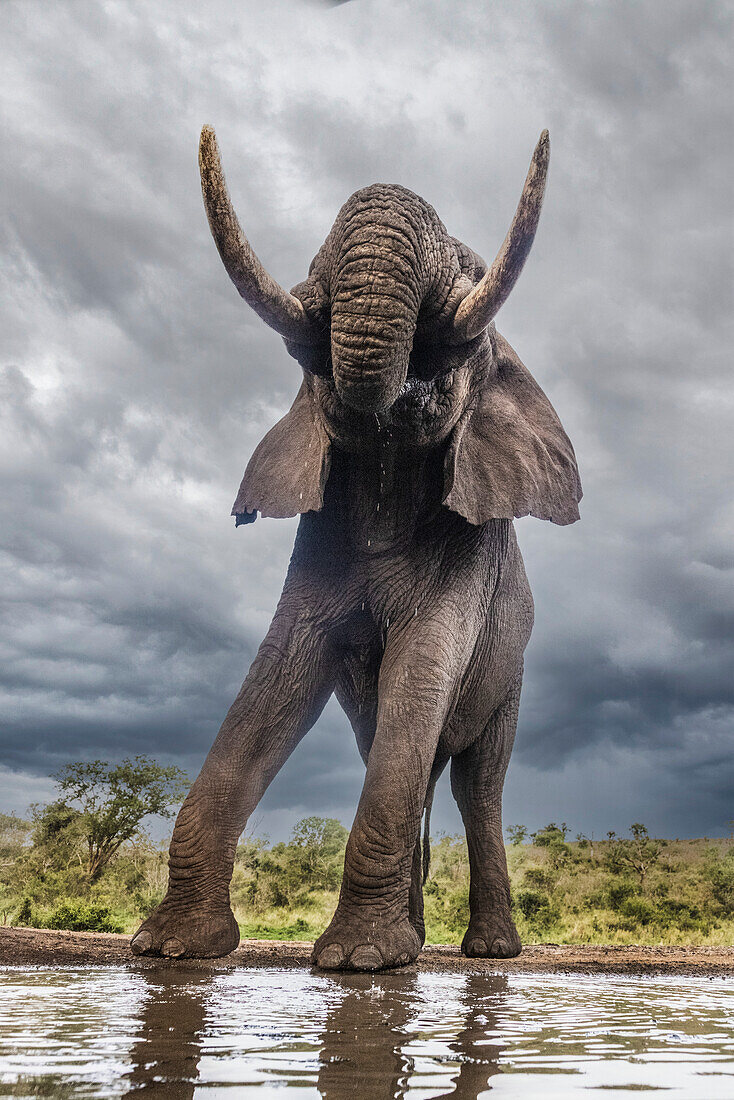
135, 382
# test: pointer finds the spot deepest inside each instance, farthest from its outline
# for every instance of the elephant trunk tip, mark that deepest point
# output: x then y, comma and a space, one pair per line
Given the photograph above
371, 387
365, 398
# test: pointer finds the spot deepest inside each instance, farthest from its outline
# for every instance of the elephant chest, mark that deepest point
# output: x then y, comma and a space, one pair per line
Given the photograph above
401, 601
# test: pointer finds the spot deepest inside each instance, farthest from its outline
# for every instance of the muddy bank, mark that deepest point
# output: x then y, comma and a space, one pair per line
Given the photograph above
36, 947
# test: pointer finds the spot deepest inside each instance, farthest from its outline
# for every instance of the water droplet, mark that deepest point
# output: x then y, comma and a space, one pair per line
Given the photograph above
378, 506
369, 542
300, 496
363, 605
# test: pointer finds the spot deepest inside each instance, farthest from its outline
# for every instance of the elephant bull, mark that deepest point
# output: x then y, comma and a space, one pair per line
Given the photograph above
415, 439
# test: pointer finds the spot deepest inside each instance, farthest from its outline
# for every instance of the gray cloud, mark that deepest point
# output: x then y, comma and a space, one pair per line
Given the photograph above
135, 384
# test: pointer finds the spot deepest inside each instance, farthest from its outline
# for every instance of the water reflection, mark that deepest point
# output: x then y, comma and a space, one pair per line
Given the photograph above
478, 1058
168, 1046
371, 1042
186, 1032
362, 1041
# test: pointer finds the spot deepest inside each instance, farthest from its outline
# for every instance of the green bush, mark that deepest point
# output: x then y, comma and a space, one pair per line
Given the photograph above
299, 929
720, 876
619, 893
80, 916
537, 908
538, 878
25, 913
638, 910
553, 838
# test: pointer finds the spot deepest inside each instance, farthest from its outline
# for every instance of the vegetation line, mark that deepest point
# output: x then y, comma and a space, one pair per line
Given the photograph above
85, 863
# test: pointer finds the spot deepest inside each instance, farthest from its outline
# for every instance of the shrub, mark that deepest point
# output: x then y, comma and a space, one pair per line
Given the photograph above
537, 908
553, 839
538, 878
638, 910
517, 834
637, 854
298, 930
720, 876
618, 893
80, 916
25, 913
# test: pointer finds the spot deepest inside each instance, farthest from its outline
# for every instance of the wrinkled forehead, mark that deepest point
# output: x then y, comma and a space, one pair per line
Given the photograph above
382, 208
384, 224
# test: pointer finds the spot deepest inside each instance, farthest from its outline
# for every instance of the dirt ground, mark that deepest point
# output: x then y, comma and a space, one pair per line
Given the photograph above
36, 947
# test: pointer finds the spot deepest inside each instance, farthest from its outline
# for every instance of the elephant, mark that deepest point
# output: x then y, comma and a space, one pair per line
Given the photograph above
416, 438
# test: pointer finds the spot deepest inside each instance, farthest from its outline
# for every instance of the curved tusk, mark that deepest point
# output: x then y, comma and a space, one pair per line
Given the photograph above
279, 309
481, 304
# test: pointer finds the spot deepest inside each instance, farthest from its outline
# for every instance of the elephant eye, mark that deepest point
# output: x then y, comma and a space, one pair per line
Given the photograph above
428, 360
322, 364
316, 358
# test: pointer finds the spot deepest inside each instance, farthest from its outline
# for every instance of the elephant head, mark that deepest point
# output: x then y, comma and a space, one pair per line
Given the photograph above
394, 330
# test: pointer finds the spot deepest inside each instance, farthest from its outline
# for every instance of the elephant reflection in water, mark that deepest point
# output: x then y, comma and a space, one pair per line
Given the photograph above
165, 1056
363, 1043
365, 1038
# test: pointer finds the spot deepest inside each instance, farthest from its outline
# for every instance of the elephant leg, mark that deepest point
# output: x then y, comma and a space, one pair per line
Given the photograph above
477, 776
356, 691
419, 679
284, 692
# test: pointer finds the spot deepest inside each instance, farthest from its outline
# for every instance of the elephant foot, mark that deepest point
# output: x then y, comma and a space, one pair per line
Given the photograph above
366, 944
179, 931
491, 937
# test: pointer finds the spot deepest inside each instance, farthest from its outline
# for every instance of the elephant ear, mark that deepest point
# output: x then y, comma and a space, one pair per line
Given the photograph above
287, 473
509, 455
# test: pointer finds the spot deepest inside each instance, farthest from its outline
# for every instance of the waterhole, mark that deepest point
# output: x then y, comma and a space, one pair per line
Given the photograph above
106, 1032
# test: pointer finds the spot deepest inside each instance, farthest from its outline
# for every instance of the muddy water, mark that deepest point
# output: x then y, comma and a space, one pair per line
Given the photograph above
104, 1032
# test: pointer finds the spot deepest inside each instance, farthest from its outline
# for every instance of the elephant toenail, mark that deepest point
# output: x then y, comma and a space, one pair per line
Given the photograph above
501, 949
477, 949
332, 957
141, 943
173, 947
366, 957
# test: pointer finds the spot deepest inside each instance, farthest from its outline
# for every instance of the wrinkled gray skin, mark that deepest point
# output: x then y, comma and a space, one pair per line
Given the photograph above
416, 437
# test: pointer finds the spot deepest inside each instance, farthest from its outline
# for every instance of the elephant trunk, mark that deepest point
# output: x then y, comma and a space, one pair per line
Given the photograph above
370, 353
377, 288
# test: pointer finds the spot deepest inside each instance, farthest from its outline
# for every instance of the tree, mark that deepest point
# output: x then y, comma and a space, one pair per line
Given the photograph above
516, 834
59, 839
14, 832
108, 802
553, 838
637, 854
585, 842
316, 851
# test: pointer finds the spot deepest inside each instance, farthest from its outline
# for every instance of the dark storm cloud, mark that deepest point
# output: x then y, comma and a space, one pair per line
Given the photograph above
135, 383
